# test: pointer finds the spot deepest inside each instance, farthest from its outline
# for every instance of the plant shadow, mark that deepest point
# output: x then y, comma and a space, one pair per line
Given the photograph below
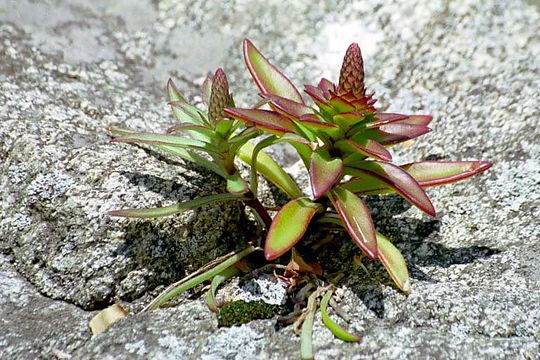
417, 240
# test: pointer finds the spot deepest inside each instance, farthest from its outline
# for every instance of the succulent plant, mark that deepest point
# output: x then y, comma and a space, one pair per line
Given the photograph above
343, 142
214, 143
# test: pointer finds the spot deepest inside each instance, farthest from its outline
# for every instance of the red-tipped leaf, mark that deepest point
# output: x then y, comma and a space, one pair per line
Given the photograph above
434, 173
268, 78
270, 121
288, 227
357, 220
369, 148
324, 172
391, 134
326, 86
288, 107
388, 118
398, 179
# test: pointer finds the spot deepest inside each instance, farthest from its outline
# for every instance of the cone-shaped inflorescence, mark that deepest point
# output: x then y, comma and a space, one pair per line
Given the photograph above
351, 77
343, 142
219, 97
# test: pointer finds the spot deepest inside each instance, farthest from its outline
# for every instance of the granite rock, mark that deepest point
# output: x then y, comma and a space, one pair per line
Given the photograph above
475, 275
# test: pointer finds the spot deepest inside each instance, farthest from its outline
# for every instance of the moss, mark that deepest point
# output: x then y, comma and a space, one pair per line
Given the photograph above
241, 312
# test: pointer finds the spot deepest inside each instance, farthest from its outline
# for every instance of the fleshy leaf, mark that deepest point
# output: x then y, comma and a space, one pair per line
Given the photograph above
177, 151
186, 113
288, 227
270, 170
206, 90
368, 147
394, 263
312, 122
351, 77
434, 173
306, 335
173, 93
348, 119
393, 133
216, 281
288, 107
268, 78
267, 120
390, 118
237, 185
187, 126
334, 327
171, 140
339, 104
357, 220
364, 183
326, 86
398, 179
254, 161
324, 172
176, 208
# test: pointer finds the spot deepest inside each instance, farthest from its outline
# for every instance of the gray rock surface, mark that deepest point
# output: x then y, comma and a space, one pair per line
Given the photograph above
71, 68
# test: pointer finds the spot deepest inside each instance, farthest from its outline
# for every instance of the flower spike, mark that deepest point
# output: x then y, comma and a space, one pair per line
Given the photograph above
351, 78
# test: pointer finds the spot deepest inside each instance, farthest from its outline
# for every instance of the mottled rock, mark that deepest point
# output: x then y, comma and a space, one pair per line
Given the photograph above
473, 65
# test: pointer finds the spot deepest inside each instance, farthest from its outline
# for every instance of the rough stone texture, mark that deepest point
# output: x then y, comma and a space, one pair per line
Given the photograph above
70, 68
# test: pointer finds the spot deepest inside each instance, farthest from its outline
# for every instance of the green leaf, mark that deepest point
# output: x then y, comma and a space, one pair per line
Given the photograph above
312, 122
268, 78
206, 90
306, 335
393, 133
176, 208
237, 185
289, 225
253, 163
435, 173
357, 220
304, 131
186, 113
170, 140
366, 147
180, 152
304, 151
191, 156
270, 170
216, 281
324, 172
347, 120
394, 263
403, 183
208, 133
173, 93
334, 327
189, 282
364, 183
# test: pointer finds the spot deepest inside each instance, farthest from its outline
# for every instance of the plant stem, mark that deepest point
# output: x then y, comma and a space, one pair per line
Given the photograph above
256, 205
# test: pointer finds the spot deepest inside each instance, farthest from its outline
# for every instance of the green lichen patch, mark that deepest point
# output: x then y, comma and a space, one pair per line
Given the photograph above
241, 312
